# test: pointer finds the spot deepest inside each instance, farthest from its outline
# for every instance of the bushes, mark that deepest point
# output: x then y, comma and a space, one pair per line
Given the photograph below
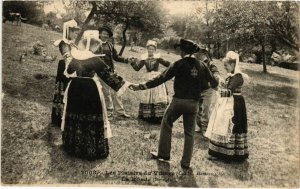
167, 42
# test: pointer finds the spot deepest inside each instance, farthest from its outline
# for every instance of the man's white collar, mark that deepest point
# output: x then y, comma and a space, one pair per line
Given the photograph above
188, 55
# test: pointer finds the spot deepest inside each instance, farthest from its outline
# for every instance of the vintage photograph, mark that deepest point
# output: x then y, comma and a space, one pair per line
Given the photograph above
150, 93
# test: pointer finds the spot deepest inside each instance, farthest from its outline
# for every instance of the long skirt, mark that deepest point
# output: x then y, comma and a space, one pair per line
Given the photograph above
236, 149
61, 83
154, 102
84, 131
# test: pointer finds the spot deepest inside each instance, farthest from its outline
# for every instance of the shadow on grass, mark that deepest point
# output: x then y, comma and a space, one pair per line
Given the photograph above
185, 179
11, 163
64, 168
270, 76
285, 95
200, 142
32, 89
240, 170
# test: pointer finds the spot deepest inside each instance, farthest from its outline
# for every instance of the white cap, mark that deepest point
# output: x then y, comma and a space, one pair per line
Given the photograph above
66, 26
151, 43
92, 34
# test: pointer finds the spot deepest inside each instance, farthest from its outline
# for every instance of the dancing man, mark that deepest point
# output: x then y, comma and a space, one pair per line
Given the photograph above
208, 94
113, 102
189, 76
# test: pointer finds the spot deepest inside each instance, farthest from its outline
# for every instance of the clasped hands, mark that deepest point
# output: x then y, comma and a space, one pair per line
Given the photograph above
132, 60
134, 87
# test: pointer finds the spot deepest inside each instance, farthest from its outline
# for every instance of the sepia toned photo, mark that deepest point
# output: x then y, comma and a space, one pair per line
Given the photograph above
192, 94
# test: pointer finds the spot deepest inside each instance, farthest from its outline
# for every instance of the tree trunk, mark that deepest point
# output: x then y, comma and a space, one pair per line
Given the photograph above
227, 44
124, 39
86, 22
264, 56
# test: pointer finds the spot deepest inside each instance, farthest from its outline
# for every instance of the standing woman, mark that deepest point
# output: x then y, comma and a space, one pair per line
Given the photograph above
227, 128
152, 108
85, 126
70, 30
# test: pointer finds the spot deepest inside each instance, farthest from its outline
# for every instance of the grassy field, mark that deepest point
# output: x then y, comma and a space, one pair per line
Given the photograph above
31, 149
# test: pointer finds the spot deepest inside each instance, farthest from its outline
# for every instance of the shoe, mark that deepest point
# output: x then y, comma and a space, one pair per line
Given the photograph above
185, 167
124, 116
155, 156
197, 129
212, 158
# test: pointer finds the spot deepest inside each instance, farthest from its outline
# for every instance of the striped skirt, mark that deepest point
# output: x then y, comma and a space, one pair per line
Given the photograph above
154, 102
237, 147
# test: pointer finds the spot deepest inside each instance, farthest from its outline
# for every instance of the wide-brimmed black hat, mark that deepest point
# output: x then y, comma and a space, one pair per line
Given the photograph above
188, 46
106, 28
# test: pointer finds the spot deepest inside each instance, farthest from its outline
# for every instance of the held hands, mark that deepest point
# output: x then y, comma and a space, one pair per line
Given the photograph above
134, 87
224, 92
132, 60
222, 82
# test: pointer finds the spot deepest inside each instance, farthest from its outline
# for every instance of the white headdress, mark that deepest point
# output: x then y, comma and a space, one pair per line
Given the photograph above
231, 55
66, 26
146, 55
90, 34
86, 53
151, 43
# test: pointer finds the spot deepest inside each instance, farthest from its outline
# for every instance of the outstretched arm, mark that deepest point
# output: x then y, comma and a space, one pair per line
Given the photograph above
112, 79
137, 65
163, 62
118, 58
166, 75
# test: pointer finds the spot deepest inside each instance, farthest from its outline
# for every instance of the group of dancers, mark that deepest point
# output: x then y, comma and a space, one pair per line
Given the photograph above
88, 91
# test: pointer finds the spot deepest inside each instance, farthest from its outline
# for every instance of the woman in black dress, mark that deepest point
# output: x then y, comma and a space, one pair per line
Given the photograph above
227, 128
61, 81
85, 126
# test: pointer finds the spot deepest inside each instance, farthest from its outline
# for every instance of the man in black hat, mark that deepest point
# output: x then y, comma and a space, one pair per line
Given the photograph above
112, 100
189, 76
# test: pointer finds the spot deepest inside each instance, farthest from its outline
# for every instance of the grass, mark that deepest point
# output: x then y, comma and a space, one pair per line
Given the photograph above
31, 149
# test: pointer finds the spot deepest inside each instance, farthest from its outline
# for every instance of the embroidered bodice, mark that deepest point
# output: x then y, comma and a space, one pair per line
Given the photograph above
151, 63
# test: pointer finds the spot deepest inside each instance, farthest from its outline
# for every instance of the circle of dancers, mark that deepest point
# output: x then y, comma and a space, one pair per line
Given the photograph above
88, 92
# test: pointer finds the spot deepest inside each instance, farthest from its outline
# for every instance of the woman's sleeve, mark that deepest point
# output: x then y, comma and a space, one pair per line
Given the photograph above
235, 82
214, 82
71, 67
138, 65
163, 62
111, 78
65, 49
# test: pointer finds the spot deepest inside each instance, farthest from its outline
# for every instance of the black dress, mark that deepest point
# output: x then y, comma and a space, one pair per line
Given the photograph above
237, 148
61, 83
85, 125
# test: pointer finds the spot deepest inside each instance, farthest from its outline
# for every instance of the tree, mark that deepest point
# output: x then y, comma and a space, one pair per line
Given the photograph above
179, 24
169, 34
284, 23
144, 15
256, 23
32, 10
83, 6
